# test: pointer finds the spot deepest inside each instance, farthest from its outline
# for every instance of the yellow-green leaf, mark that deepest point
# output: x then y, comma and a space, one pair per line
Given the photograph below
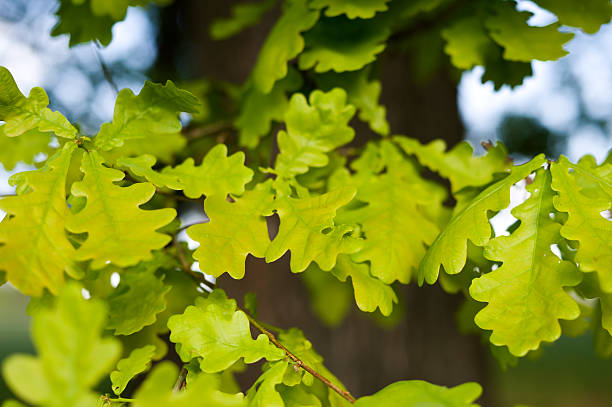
526, 293
118, 231
23, 114
214, 330
233, 231
471, 222
35, 251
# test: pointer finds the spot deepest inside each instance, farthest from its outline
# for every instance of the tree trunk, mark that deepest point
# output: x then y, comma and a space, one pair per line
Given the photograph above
365, 356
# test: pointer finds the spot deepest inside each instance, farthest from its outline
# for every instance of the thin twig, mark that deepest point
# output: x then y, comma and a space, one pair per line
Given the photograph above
105, 70
109, 400
186, 268
298, 362
5, 195
195, 132
180, 380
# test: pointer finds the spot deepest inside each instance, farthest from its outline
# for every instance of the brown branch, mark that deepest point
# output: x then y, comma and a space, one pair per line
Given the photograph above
298, 362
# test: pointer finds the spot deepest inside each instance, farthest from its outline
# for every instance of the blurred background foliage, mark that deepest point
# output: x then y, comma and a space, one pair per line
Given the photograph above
564, 108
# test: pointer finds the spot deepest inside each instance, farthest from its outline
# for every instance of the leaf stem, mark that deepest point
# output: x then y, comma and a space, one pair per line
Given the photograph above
180, 380
109, 400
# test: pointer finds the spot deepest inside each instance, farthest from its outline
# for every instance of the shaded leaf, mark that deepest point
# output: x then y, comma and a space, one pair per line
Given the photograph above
370, 292
589, 15
260, 109
458, 165
352, 8
327, 48
522, 42
139, 361
416, 393
139, 297
283, 43
24, 148
243, 16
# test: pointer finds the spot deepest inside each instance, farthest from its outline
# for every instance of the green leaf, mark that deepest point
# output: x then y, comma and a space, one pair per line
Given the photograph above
591, 288
283, 43
217, 175
298, 396
138, 362
585, 223
79, 21
72, 355
24, 148
308, 230
23, 114
458, 165
527, 291
114, 8
162, 146
416, 393
139, 297
35, 251
352, 8
523, 42
294, 340
394, 218
12, 403
313, 130
471, 222
589, 15
330, 299
260, 109
202, 392
153, 112
503, 72
233, 231
370, 292
118, 231
467, 42
263, 393
362, 93
243, 16
341, 44
215, 331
